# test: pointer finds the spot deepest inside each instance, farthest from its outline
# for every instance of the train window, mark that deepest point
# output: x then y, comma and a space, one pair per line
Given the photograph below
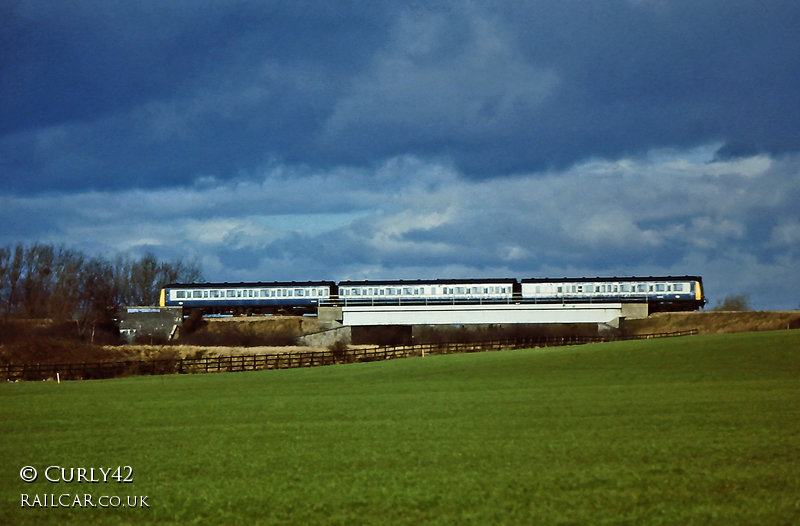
660, 287
559, 289
625, 287
180, 294
197, 293
205, 293
678, 287
641, 287
580, 288
649, 288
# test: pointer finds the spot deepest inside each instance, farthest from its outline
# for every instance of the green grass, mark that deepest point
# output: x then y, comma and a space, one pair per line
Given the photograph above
696, 430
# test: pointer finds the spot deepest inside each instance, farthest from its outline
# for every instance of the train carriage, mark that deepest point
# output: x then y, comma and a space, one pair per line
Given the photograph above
249, 298
428, 291
663, 293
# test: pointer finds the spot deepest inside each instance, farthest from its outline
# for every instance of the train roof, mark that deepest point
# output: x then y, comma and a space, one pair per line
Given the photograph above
612, 279
402, 282
251, 284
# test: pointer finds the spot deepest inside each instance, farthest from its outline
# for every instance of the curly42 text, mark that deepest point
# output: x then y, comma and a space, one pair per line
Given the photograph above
56, 474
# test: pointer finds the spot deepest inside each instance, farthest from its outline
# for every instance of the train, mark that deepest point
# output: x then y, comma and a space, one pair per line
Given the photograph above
663, 293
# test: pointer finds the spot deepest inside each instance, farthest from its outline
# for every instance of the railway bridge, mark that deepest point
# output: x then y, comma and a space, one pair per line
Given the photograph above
361, 323
607, 314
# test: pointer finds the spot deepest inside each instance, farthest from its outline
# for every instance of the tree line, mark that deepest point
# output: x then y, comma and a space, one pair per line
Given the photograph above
54, 282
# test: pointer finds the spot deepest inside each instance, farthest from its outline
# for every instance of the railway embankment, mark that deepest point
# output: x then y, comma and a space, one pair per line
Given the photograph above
706, 322
713, 322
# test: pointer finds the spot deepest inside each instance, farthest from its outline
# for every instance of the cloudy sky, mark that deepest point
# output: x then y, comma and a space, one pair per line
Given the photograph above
305, 140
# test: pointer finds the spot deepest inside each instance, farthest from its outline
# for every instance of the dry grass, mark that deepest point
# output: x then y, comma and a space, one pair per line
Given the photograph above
268, 325
715, 322
191, 351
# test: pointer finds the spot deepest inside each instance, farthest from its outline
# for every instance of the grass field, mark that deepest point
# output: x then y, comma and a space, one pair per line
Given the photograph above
694, 430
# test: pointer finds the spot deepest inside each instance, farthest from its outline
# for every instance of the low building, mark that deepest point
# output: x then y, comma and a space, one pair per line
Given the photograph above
162, 323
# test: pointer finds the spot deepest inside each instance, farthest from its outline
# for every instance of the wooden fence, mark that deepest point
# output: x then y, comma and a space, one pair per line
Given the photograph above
289, 360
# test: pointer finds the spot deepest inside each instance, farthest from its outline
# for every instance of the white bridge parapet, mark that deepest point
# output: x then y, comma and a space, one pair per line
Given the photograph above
602, 313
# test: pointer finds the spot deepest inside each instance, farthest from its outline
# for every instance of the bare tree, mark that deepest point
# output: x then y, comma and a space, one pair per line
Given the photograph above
45, 281
734, 303
141, 280
67, 287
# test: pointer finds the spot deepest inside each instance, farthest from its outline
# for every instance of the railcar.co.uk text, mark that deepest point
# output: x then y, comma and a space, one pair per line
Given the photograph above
58, 474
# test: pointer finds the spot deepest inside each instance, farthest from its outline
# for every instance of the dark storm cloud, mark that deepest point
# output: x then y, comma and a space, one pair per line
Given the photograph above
735, 222
319, 140
129, 94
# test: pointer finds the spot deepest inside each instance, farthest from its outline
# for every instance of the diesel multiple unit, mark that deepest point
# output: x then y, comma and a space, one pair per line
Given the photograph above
666, 293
